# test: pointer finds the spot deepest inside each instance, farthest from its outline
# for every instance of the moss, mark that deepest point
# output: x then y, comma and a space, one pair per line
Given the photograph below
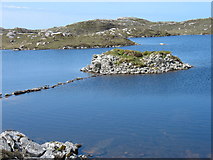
58, 157
6, 155
147, 53
62, 148
69, 154
176, 59
20, 135
134, 57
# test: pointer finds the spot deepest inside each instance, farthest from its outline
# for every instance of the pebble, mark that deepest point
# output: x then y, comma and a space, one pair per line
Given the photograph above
7, 95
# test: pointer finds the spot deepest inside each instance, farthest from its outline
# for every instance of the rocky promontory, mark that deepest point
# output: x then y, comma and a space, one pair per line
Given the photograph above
119, 61
16, 145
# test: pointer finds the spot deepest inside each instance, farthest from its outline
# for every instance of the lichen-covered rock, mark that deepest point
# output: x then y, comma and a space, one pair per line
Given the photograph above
15, 143
11, 34
118, 61
34, 149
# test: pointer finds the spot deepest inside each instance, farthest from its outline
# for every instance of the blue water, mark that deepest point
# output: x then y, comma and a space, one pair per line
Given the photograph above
157, 116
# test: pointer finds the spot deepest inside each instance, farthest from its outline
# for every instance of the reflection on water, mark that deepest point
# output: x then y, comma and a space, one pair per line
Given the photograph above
166, 115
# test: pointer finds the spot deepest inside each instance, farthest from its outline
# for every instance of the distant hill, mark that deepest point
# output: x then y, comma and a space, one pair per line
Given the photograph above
99, 33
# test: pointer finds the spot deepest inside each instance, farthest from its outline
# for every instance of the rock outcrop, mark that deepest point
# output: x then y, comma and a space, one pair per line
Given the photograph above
118, 61
16, 145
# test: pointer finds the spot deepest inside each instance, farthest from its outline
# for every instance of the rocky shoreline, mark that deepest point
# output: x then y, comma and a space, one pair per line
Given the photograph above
16, 145
118, 61
23, 47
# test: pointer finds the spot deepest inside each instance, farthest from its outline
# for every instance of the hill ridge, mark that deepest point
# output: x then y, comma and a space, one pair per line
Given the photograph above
99, 33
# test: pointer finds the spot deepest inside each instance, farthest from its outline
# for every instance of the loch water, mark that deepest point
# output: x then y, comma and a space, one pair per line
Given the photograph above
156, 115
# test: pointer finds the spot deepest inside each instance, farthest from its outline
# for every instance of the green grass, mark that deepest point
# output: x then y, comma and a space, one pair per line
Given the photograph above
135, 57
60, 42
83, 34
132, 53
63, 147
6, 155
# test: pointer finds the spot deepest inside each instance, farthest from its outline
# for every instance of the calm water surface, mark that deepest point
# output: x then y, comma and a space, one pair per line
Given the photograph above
165, 115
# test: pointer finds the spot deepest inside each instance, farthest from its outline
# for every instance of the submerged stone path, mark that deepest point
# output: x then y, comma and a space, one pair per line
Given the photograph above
45, 87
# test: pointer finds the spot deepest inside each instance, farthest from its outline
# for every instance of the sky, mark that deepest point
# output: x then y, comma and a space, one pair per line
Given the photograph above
40, 15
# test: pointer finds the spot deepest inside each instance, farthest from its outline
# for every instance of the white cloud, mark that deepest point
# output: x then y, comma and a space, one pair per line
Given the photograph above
16, 7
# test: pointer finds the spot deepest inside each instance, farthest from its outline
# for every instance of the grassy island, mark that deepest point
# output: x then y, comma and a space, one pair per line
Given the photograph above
137, 58
119, 61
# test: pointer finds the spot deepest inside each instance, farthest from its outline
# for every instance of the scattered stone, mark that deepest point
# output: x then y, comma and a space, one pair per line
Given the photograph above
118, 61
16, 49
11, 34
8, 95
54, 86
19, 92
67, 47
69, 81
57, 34
38, 43
79, 78
12, 41
11, 37
46, 87
35, 89
22, 47
15, 142
48, 33
60, 83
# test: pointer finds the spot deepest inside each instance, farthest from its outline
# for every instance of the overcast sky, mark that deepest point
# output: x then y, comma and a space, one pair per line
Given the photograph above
39, 15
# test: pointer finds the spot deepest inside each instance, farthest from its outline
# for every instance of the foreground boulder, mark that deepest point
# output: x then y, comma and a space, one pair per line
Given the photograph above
16, 145
119, 61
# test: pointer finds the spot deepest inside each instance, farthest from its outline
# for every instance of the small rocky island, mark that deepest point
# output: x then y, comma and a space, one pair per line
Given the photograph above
16, 145
119, 61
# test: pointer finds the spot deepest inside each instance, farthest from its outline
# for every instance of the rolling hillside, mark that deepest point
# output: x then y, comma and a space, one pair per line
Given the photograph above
99, 33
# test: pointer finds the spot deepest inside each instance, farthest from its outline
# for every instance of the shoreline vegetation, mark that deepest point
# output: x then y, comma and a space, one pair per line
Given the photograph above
98, 33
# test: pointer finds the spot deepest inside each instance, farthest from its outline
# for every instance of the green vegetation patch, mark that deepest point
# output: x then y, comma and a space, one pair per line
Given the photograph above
135, 57
62, 148
38, 42
99, 33
6, 155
